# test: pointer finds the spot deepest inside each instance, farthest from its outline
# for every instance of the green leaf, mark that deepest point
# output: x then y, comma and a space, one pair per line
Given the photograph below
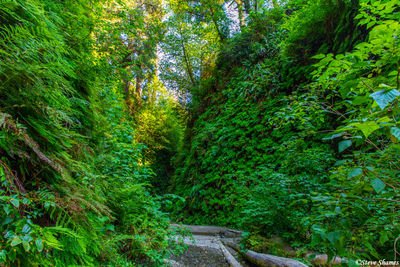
26, 229
339, 56
360, 100
7, 209
334, 237
7, 220
367, 127
371, 249
110, 227
319, 56
383, 97
27, 247
370, 24
15, 202
395, 132
378, 185
3, 256
16, 241
2, 175
383, 237
39, 244
343, 145
27, 239
26, 201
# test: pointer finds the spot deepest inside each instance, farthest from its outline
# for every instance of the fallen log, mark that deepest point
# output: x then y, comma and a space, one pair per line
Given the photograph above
266, 260
254, 257
209, 230
228, 256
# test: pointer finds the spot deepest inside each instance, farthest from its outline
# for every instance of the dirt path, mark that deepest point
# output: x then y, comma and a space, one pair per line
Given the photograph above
218, 246
206, 250
200, 256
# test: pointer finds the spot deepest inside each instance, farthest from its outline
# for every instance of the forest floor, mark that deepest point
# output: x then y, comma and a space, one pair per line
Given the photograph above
220, 246
204, 250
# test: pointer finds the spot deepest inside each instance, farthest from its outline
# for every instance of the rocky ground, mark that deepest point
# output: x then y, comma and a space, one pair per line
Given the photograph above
200, 256
203, 251
219, 246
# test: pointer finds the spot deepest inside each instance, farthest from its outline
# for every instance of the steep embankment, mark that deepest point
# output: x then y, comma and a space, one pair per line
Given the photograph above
279, 146
255, 149
71, 186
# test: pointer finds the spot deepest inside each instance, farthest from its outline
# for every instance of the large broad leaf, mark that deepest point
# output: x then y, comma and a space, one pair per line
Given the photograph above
333, 237
343, 145
16, 241
378, 185
395, 132
26, 229
15, 202
384, 97
354, 172
367, 127
3, 256
39, 244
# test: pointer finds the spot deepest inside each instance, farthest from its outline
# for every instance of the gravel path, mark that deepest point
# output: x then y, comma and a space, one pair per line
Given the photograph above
212, 246
199, 257
205, 252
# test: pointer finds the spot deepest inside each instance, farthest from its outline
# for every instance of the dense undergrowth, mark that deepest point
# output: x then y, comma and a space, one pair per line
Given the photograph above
74, 183
296, 131
113, 112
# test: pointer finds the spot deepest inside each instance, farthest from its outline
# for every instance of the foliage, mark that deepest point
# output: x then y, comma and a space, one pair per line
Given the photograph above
73, 181
364, 84
224, 188
282, 121
317, 27
308, 152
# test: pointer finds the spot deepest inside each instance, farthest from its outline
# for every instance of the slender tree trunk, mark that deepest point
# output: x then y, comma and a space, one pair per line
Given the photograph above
138, 88
239, 4
221, 36
187, 63
127, 85
186, 59
127, 93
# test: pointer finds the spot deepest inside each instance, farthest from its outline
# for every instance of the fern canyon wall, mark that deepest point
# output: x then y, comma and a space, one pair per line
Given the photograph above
119, 118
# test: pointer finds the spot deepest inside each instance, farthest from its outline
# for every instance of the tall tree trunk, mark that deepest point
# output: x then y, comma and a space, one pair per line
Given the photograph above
138, 88
186, 59
214, 20
127, 85
127, 93
239, 4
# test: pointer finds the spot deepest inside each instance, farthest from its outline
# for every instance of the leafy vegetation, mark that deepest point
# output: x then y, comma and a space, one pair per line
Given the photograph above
74, 186
296, 135
277, 117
